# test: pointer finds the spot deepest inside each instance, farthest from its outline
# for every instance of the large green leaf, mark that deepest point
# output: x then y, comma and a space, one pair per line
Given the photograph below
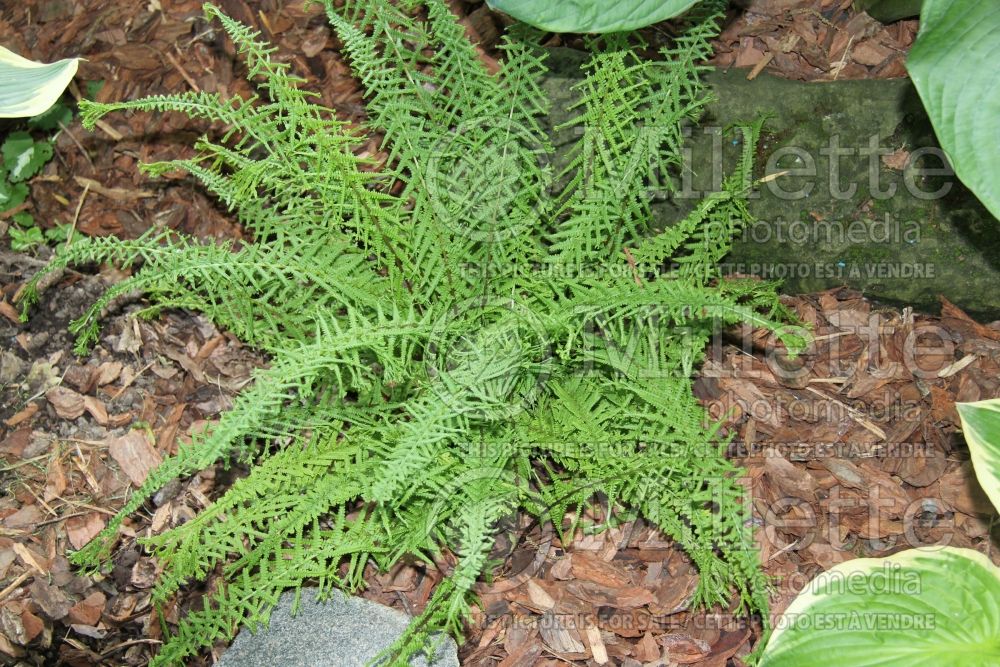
917, 608
887, 11
981, 425
954, 67
591, 15
28, 88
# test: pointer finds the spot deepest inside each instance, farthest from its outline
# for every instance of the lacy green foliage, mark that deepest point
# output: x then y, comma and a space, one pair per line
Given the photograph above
455, 336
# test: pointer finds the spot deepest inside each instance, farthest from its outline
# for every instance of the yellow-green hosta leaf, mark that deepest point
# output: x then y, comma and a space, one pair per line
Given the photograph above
981, 425
28, 88
953, 65
916, 608
592, 15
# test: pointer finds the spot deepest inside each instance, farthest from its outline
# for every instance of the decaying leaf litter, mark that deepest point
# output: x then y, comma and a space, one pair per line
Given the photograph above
822, 445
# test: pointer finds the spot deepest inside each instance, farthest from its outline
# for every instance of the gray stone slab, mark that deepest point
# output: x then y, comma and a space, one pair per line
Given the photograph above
903, 248
342, 631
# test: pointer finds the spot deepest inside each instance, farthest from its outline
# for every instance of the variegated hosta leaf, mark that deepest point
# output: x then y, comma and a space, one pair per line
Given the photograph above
981, 425
919, 607
27, 88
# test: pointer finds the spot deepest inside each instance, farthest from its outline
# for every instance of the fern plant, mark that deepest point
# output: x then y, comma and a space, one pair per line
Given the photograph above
456, 334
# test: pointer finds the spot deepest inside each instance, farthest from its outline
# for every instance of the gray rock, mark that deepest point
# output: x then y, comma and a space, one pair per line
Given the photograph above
342, 631
905, 248
11, 367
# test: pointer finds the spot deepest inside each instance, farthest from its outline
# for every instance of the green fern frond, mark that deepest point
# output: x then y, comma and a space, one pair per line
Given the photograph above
455, 336
235, 112
630, 114
272, 76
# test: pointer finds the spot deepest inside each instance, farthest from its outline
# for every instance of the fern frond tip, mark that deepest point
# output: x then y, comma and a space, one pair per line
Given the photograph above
91, 112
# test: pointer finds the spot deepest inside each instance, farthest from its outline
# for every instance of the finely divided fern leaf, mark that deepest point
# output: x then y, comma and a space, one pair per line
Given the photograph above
454, 337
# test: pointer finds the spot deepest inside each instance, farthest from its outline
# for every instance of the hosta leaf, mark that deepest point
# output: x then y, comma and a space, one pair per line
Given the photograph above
981, 425
915, 608
954, 65
887, 11
592, 15
27, 88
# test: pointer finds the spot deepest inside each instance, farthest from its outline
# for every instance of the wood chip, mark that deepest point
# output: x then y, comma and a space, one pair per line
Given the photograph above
33, 626
897, 160
30, 559
620, 597
647, 650
82, 529
557, 636
562, 569
95, 407
108, 372
597, 648
22, 415
792, 480
10, 312
26, 517
539, 597
52, 600
591, 568
55, 479
88, 610
68, 404
684, 648
134, 455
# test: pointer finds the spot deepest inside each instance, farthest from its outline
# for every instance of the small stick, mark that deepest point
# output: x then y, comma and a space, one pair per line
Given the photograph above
41, 502
786, 44
854, 413
759, 67
131, 642
839, 66
126, 385
263, 20
107, 129
17, 209
14, 584
829, 336
118, 194
771, 177
78, 145
82, 467
60, 518
15, 466
183, 72
92, 508
631, 262
76, 214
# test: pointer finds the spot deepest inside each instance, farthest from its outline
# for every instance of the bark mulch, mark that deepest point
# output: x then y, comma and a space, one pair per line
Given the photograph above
813, 40
852, 450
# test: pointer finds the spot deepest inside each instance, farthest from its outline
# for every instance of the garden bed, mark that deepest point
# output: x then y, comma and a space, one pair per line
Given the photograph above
852, 451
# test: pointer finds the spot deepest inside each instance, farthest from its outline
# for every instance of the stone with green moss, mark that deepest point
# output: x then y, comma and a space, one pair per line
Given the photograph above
902, 234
